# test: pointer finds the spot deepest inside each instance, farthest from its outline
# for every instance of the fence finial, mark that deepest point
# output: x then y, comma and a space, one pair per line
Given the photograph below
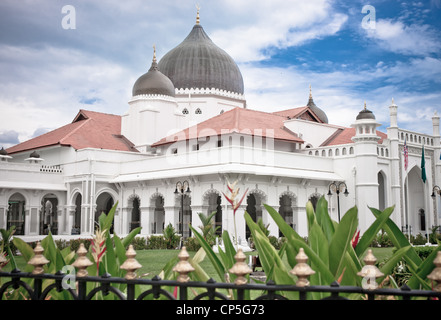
240, 268
370, 272
302, 270
435, 275
38, 260
131, 264
82, 262
183, 267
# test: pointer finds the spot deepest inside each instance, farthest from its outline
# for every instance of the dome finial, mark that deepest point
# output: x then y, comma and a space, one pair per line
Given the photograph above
310, 92
365, 105
154, 53
197, 14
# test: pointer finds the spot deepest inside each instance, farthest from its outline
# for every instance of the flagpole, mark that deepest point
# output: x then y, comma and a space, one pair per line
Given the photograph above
423, 176
407, 204
406, 187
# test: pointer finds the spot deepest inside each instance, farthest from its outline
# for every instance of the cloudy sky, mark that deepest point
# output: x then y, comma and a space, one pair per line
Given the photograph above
59, 56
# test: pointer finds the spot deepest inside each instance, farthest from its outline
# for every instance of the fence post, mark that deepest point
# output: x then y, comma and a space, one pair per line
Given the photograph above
302, 270
130, 265
81, 264
38, 261
370, 272
240, 269
435, 275
183, 267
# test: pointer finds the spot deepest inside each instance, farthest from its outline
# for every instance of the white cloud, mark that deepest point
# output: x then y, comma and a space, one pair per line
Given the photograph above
278, 24
43, 88
414, 39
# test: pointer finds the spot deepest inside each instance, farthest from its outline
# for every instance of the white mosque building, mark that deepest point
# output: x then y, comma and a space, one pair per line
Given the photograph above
186, 132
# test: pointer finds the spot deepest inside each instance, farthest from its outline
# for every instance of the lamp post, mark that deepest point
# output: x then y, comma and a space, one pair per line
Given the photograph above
337, 189
435, 189
180, 189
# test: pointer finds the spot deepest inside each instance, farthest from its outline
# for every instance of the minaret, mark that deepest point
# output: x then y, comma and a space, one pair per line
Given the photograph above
366, 159
437, 148
394, 148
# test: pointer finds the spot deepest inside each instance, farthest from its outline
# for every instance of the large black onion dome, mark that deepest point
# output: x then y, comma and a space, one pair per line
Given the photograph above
198, 63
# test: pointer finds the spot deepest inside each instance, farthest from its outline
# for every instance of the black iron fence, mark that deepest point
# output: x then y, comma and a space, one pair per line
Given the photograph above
136, 288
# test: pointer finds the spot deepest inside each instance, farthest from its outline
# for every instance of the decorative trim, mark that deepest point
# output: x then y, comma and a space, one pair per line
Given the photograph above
214, 91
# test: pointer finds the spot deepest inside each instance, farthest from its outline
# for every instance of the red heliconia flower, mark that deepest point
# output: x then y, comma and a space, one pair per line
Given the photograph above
232, 198
98, 246
355, 239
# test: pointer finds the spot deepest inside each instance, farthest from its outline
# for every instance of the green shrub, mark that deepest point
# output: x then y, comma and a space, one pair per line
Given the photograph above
192, 244
171, 237
419, 240
424, 252
139, 243
156, 242
274, 242
382, 239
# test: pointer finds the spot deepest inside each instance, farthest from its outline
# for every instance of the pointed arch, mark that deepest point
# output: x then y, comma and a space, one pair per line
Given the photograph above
49, 214
414, 195
134, 205
382, 190
16, 214
212, 202
287, 208
157, 206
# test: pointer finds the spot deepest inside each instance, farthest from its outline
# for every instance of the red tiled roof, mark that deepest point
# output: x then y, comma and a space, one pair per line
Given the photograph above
238, 120
296, 113
343, 136
89, 129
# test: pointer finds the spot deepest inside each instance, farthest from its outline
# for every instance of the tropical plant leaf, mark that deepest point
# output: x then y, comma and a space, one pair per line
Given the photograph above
341, 241
323, 218
393, 261
288, 232
423, 270
52, 253
120, 250
129, 238
398, 239
217, 264
110, 257
230, 251
370, 234
106, 220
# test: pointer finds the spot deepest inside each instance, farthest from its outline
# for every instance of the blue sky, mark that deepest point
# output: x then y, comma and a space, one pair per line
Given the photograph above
49, 72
